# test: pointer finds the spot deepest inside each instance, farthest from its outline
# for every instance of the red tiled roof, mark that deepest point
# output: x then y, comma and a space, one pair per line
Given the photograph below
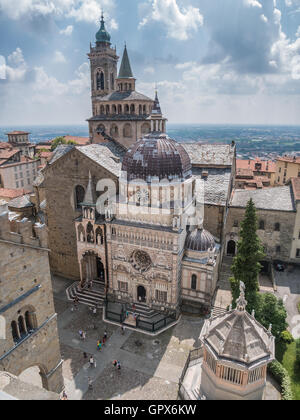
80, 141
266, 165
46, 155
13, 133
5, 145
12, 193
7, 154
289, 159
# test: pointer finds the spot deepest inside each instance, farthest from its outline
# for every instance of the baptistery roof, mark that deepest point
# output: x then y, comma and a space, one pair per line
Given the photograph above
157, 156
200, 240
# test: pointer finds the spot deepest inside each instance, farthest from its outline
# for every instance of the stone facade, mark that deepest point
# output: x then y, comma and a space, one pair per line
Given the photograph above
276, 215
26, 304
118, 110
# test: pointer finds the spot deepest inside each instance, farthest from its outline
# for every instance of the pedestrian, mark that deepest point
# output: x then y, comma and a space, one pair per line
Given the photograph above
118, 365
64, 397
105, 335
127, 314
99, 345
103, 340
133, 307
115, 363
85, 355
90, 382
122, 329
80, 332
92, 362
95, 310
83, 335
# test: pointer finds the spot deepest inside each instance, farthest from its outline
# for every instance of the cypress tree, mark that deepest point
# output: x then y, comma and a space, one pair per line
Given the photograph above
246, 265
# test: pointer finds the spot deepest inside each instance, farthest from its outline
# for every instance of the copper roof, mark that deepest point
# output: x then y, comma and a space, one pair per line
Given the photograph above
156, 156
200, 240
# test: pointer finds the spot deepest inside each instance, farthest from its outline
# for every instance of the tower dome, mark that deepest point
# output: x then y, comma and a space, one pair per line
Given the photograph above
200, 240
157, 156
102, 35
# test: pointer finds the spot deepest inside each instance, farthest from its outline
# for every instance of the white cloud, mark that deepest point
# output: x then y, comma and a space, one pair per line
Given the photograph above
149, 70
59, 57
67, 31
16, 67
80, 10
253, 3
298, 32
180, 23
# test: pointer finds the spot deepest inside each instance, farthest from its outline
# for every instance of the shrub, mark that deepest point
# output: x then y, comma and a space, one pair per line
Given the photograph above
298, 353
283, 377
286, 337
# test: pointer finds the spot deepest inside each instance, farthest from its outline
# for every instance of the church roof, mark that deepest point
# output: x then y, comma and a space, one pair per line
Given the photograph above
157, 156
125, 69
124, 96
102, 35
237, 336
106, 156
200, 240
210, 154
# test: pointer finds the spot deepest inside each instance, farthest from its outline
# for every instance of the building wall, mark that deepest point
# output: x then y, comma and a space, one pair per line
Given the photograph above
270, 238
123, 135
296, 237
214, 219
61, 179
19, 175
285, 171
25, 275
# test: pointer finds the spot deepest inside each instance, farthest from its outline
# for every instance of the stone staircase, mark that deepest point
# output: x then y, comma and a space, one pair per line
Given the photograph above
94, 297
223, 296
143, 310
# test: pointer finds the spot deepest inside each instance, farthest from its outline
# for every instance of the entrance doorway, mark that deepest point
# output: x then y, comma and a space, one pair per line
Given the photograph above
231, 247
100, 270
142, 294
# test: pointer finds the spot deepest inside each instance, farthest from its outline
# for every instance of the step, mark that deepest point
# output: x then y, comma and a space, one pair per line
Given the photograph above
89, 298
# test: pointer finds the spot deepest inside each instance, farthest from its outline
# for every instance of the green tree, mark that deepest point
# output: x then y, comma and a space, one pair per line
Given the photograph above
270, 310
57, 142
246, 265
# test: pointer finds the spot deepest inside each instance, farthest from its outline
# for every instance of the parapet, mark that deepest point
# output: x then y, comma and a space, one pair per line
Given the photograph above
23, 231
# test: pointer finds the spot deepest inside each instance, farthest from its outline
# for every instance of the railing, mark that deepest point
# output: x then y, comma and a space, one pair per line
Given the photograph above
193, 358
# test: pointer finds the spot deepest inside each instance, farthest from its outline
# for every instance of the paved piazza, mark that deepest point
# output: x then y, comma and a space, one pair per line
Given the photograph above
150, 366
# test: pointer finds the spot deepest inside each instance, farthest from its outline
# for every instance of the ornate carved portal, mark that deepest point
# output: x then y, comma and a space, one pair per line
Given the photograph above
92, 268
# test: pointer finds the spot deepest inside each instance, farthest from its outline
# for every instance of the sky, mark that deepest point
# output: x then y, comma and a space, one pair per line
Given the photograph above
213, 61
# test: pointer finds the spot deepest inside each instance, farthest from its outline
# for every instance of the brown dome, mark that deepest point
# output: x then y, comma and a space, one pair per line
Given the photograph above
200, 240
157, 156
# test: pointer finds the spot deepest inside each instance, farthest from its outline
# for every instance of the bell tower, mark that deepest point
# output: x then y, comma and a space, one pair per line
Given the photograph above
104, 60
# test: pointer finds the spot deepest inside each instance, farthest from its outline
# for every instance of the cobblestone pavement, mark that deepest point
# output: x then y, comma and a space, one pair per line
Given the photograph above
151, 366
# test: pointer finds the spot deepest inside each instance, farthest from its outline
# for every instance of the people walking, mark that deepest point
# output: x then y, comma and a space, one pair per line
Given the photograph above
99, 345
85, 356
83, 335
122, 329
90, 383
80, 332
92, 362
118, 365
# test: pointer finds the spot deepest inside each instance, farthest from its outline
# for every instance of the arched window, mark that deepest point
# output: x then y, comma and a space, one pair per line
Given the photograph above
90, 233
107, 110
15, 331
277, 227
99, 236
132, 109
101, 129
120, 87
30, 319
127, 132
79, 196
114, 131
144, 110
112, 81
126, 109
140, 109
119, 109
102, 109
81, 233
194, 282
146, 128
261, 225
130, 86
114, 109
22, 328
100, 80
126, 87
